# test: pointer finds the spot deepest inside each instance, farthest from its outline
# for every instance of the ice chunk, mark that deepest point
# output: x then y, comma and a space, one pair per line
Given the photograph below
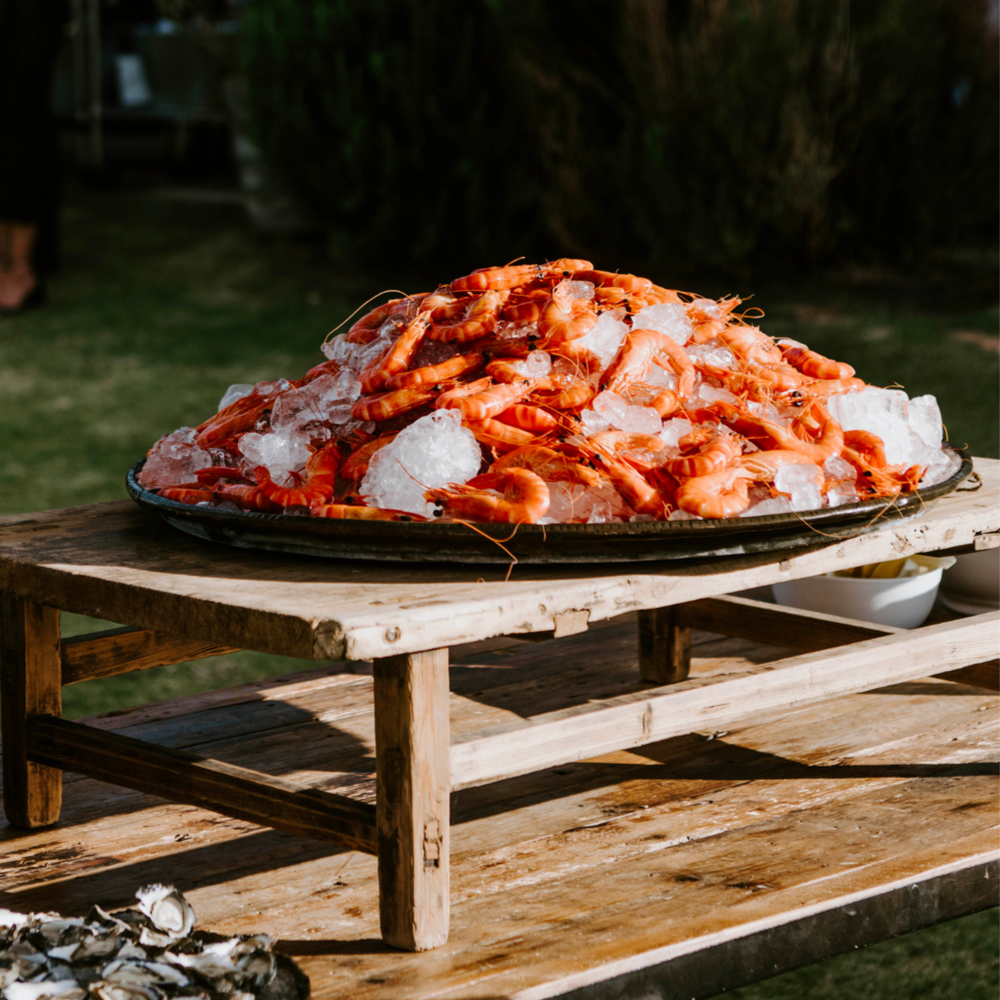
712, 353
610, 406
836, 468
773, 505
670, 318
881, 412
432, 452
941, 465
803, 483
605, 338
683, 515
573, 502
674, 430
705, 395
578, 289
280, 453
174, 460
845, 492
275, 388
593, 422
924, 418
233, 393
537, 364
641, 420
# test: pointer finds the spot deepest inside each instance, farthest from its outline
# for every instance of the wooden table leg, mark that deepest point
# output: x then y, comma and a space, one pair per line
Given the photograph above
664, 647
413, 784
30, 684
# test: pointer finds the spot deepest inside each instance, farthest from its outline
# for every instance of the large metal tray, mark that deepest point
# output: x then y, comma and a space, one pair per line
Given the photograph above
413, 541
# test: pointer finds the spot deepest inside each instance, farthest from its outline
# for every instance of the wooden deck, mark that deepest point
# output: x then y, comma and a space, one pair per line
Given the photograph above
679, 869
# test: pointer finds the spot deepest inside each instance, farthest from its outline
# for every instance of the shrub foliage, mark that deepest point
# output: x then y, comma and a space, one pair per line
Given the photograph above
688, 133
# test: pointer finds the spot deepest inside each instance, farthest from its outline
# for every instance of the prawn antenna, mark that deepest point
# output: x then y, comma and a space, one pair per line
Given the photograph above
386, 291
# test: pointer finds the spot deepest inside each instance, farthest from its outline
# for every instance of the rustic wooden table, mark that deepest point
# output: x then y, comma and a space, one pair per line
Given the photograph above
182, 598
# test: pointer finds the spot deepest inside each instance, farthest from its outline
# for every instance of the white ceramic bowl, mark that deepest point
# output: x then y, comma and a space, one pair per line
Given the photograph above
903, 602
972, 585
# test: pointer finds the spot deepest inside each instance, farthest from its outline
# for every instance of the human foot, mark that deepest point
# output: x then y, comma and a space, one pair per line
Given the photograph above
17, 285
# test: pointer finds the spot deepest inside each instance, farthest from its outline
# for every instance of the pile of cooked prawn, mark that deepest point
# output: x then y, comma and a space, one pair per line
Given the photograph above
530, 420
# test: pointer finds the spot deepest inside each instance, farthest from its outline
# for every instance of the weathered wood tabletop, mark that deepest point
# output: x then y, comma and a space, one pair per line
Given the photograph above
182, 598
693, 865
117, 562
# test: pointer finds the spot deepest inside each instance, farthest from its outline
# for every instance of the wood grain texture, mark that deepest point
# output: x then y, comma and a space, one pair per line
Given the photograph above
412, 798
636, 719
121, 650
30, 685
774, 837
212, 784
118, 562
664, 646
806, 631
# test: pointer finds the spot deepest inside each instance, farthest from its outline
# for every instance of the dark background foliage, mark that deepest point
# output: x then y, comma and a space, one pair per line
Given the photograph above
728, 134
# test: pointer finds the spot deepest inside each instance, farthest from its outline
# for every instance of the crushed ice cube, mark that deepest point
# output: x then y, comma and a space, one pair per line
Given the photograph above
174, 460
233, 393
840, 494
641, 420
605, 338
712, 353
578, 289
593, 422
674, 430
610, 406
773, 505
879, 411
274, 388
538, 364
924, 418
280, 453
432, 452
670, 318
803, 483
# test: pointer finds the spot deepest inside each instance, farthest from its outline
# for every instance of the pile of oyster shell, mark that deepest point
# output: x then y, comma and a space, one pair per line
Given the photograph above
149, 953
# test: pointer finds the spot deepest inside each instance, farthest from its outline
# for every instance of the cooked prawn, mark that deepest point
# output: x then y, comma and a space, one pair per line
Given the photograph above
513, 275
530, 418
495, 434
748, 343
356, 464
719, 494
712, 456
387, 405
513, 496
316, 483
398, 357
192, 493
487, 402
642, 348
551, 465
479, 321
565, 318
815, 365
452, 368
247, 497
358, 512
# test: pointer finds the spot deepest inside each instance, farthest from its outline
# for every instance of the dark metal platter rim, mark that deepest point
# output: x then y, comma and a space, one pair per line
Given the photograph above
431, 533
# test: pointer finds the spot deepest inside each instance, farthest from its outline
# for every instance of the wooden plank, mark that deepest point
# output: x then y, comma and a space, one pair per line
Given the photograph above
30, 684
806, 631
212, 784
664, 646
120, 650
637, 719
569, 878
758, 621
140, 571
412, 798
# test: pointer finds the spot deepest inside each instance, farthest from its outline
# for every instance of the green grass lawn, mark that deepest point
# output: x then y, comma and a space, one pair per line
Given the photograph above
161, 305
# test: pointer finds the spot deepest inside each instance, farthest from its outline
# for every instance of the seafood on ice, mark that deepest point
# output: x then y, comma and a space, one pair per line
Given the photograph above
555, 393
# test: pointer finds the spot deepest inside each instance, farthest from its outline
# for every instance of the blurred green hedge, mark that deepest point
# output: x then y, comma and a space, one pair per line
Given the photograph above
680, 133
